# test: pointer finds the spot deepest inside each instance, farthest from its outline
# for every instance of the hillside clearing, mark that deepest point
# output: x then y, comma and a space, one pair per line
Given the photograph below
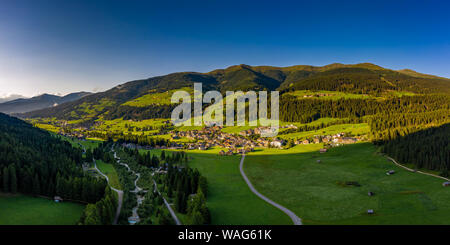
26, 210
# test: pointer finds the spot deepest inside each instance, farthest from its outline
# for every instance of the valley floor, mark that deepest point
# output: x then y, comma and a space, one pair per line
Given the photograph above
314, 190
20, 209
229, 198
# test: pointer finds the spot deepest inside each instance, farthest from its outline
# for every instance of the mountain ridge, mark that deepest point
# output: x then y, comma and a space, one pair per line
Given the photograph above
23, 105
362, 78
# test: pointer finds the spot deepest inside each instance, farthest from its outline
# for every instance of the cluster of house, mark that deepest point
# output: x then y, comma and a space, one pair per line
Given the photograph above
263, 130
76, 135
213, 136
333, 140
173, 146
317, 95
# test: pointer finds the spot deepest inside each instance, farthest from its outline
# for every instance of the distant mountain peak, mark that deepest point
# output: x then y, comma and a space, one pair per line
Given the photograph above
41, 101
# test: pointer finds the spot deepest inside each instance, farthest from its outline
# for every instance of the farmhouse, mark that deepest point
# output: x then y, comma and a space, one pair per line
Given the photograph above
276, 143
58, 199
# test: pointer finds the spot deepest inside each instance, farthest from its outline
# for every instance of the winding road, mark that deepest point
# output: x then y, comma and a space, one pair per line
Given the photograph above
119, 194
172, 213
140, 199
292, 215
135, 216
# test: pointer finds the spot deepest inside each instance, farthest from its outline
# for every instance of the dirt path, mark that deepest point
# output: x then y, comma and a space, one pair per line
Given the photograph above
295, 219
412, 170
138, 189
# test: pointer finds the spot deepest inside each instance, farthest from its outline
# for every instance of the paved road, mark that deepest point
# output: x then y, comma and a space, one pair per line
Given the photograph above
412, 170
295, 218
172, 213
119, 194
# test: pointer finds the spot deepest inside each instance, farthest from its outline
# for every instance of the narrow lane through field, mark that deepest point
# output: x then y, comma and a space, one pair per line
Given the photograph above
416, 171
119, 194
295, 219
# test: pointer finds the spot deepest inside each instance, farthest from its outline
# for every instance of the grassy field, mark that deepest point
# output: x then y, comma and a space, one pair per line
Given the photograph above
153, 98
25, 210
331, 95
88, 144
313, 191
109, 171
336, 95
120, 125
229, 198
353, 129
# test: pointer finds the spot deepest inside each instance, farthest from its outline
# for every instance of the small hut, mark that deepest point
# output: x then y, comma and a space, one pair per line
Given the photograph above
370, 211
390, 172
58, 199
445, 184
323, 150
370, 193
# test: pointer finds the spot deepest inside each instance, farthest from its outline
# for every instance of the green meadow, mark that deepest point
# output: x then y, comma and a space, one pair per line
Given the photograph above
88, 144
333, 95
314, 190
154, 98
108, 170
229, 198
26, 210
353, 129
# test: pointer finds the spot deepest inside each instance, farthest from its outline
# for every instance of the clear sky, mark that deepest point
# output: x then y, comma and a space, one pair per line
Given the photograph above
66, 45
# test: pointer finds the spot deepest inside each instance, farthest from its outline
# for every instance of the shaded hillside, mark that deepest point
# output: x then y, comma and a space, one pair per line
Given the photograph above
429, 148
34, 162
38, 102
362, 78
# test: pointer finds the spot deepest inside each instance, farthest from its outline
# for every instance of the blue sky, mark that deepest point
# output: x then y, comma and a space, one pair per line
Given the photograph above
65, 46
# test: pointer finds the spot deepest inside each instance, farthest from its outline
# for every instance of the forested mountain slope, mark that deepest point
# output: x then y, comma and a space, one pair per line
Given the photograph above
362, 78
34, 162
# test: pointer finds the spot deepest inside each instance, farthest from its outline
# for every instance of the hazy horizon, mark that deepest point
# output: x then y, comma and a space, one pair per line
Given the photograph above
61, 47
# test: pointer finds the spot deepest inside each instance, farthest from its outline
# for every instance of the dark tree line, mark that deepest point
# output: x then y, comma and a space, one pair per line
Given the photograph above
131, 138
34, 162
140, 113
101, 212
429, 148
388, 127
293, 109
189, 188
364, 81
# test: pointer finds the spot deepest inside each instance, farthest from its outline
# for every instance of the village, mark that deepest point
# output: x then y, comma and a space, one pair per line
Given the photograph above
232, 143
248, 140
